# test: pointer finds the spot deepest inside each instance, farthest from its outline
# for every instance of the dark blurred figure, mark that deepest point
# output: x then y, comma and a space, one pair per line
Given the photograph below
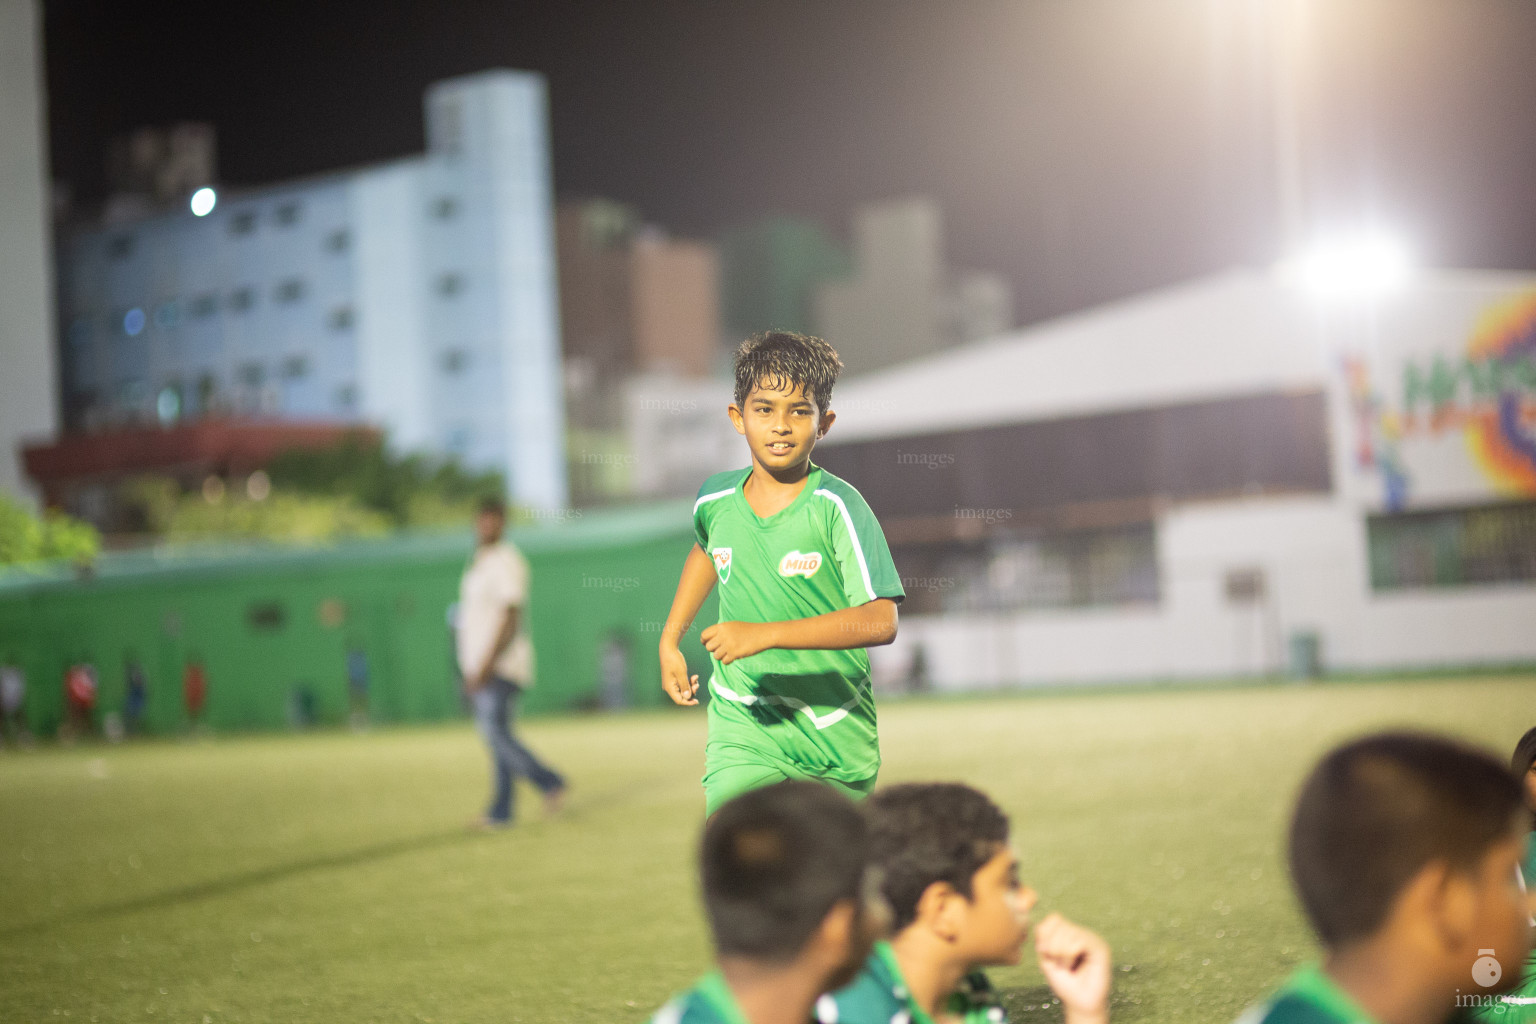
79, 700
13, 703
136, 697
194, 691
613, 670
357, 683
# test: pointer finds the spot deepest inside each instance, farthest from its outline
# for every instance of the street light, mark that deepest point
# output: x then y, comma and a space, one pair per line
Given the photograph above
1367, 262
203, 201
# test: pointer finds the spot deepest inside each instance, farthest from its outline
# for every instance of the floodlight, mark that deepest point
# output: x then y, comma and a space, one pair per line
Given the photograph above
1359, 263
203, 201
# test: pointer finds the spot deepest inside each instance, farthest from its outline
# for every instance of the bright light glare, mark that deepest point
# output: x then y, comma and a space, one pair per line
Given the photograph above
203, 201
1367, 262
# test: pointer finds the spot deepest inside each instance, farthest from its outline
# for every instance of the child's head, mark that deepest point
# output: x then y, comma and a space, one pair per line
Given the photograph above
949, 871
1523, 763
785, 870
784, 395
1416, 836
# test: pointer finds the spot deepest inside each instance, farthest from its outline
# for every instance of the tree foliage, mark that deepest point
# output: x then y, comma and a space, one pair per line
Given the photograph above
410, 490
52, 537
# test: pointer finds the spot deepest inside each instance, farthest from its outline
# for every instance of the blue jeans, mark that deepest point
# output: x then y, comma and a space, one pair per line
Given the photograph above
495, 706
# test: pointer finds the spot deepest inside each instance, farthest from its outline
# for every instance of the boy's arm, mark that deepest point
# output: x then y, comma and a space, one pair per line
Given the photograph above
871, 624
697, 581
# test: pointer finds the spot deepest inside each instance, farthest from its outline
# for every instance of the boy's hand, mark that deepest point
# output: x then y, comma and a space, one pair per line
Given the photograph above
731, 640
680, 686
1075, 962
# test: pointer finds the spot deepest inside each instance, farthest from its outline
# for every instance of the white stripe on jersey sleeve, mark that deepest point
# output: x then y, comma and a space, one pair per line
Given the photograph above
711, 497
858, 549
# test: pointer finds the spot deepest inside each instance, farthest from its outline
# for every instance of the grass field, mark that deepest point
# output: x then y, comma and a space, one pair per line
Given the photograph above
330, 878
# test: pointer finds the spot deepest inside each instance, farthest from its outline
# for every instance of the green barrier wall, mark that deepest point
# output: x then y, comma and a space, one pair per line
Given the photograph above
269, 625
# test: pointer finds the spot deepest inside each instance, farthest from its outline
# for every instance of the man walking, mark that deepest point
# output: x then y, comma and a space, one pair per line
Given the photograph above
496, 660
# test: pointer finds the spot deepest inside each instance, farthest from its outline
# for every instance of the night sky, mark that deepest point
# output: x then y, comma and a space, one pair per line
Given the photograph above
1087, 150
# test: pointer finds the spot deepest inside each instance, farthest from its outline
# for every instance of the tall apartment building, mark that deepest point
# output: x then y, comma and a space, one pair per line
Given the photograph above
903, 302
27, 368
417, 295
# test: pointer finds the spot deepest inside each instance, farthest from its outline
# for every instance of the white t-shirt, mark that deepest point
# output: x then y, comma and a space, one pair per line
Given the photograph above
495, 579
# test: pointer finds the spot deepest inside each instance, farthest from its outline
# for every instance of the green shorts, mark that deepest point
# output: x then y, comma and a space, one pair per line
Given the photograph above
733, 777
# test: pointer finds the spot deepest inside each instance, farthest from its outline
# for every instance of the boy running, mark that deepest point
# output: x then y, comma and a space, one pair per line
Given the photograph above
806, 584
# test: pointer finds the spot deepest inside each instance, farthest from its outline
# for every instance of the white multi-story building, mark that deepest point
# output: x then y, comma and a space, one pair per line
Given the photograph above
1233, 477
417, 295
26, 329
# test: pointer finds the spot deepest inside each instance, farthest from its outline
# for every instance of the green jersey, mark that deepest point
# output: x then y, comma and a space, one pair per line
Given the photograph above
708, 1002
1309, 997
810, 711
879, 995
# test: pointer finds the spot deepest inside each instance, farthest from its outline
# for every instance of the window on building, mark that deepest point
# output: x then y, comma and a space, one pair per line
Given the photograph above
207, 393
346, 396
133, 322
251, 375
168, 404
1453, 547
445, 208
168, 314
287, 214
295, 367
291, 290
266, 616
339, 240
120, 247
455, 360
449, 285
205, 305
242, 299
80, 331
242, 223
342, 318
1005, 573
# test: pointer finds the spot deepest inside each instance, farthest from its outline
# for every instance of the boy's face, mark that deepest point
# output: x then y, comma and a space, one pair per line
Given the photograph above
996, 918
781, 427
1502, 919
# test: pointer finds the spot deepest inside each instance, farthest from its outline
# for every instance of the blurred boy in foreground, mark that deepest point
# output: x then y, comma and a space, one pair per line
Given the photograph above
791, 903
1403, 851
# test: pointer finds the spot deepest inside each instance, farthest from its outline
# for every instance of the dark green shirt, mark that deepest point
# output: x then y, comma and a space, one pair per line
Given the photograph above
708, 1002
1309, 997
879, 995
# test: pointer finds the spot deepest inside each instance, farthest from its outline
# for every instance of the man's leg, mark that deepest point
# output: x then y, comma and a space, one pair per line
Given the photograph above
490, 703
521, 759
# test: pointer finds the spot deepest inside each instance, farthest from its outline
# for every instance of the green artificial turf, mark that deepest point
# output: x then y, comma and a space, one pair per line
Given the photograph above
330, 877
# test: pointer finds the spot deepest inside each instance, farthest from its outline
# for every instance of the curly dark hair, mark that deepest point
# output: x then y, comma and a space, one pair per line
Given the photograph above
931, 832
784, 360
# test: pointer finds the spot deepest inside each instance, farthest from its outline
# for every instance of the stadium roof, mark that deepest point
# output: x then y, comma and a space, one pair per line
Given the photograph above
1230, 334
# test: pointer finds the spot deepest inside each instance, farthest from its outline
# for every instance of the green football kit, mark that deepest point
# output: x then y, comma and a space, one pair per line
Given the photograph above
708, 1002
1309, 997
783, 713
879, 995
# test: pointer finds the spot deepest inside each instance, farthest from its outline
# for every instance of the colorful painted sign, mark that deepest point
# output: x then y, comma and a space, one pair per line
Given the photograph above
1439, 426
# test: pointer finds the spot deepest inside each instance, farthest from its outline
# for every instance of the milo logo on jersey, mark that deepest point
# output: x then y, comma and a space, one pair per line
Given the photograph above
800, 564
722, 557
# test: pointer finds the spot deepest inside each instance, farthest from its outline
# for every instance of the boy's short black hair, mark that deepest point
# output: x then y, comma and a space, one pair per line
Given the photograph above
775, 861
924, 833
1525, 753
784, 360
492, 505
1375, 811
